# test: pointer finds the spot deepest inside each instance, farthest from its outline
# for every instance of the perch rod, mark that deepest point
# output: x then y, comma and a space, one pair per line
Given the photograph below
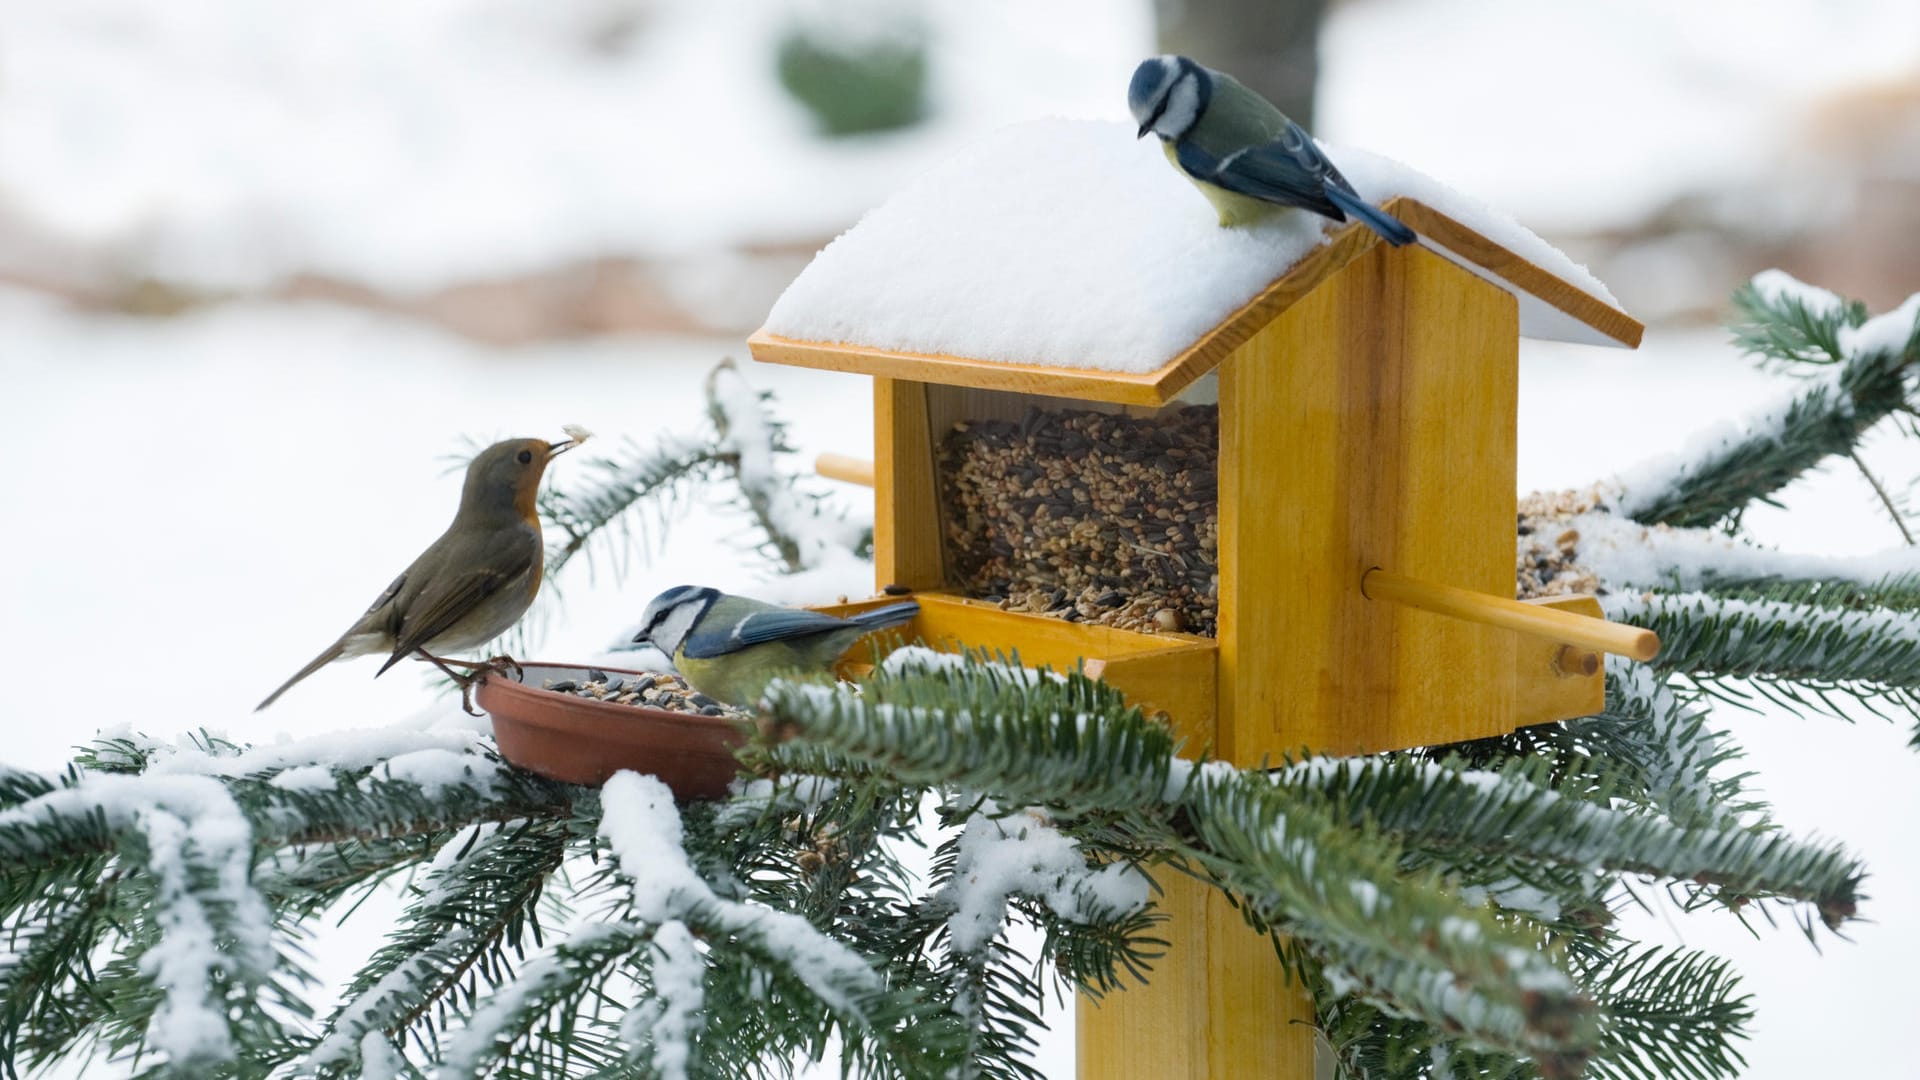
847, 470
1563, 626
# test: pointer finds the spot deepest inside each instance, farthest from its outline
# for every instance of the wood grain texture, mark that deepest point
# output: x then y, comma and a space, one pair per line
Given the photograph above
906, 513
1524, 275
1159, 386
1180, 682
1371, 425
1218, 1006
1158, 671
1543, 690
1153, 388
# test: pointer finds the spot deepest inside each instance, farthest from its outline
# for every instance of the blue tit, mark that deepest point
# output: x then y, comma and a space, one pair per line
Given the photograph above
1243, 154
730, 647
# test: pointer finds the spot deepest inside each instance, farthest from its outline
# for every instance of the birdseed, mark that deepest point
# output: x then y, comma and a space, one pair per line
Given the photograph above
1547, 553
657, 690
1088, 516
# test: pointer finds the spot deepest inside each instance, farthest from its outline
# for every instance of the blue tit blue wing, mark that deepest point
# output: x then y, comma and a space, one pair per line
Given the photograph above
1290, 171
881, 618
718, 638
1293, 171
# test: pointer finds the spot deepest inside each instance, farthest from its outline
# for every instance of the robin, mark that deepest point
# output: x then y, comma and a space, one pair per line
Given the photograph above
470, 585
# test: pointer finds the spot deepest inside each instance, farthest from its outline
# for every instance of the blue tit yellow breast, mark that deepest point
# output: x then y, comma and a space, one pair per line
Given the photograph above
1233, 207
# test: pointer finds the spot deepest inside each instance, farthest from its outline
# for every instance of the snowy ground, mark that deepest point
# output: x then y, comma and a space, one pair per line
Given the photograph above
202, 503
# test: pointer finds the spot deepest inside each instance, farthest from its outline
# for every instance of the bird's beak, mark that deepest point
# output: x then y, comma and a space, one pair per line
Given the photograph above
642, 638
1144, 128
575, 436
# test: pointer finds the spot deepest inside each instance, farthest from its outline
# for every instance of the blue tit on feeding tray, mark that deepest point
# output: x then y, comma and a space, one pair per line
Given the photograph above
730, 647
1243, 154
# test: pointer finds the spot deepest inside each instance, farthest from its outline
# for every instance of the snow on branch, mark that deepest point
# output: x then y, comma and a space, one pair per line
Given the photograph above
346, 750
477, 894
1650, 728
668, 1023
1001, 854
1628, 555
563, 974
1857, 373
1514, 811
1865, 654
215, 943
798, 526
642, 826
1080, 748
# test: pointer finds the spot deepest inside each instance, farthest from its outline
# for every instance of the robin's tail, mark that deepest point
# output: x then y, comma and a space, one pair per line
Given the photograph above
334, 652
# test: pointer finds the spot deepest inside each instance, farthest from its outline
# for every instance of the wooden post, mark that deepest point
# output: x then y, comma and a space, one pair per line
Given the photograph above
1219, 1006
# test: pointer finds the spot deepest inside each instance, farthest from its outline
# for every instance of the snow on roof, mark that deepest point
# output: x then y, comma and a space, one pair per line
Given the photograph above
1071, 243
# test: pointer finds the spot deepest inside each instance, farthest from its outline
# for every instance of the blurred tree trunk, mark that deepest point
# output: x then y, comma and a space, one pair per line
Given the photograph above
1271, 45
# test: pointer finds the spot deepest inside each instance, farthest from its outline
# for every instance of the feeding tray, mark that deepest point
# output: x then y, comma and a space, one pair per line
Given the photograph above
580, 740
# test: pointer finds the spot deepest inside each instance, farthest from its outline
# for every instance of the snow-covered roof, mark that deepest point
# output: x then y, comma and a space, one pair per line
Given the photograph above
1064, 244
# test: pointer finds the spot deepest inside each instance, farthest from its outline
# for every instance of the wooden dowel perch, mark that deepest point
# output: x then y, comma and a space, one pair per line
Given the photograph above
1567, 627
847, 470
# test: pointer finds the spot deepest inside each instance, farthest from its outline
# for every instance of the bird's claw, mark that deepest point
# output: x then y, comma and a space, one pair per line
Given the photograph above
476, 670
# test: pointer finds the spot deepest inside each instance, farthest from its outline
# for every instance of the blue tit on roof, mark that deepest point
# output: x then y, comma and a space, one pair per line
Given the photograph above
730, 647
1244, 154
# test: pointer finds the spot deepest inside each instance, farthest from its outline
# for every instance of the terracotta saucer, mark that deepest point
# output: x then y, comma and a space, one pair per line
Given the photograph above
582, 741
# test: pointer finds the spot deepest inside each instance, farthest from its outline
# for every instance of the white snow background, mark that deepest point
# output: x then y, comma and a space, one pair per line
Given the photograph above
195, 506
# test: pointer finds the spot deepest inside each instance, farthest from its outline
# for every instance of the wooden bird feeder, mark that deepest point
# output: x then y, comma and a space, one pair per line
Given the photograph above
1366, 588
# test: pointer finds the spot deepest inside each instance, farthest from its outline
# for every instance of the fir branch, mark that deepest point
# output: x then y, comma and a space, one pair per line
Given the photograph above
1660, 737
1514, 813
644, 830
1071, 743
1892, 592
1788, 323
1627, 555
530, 1024
1804, 655
203, 936
1403, 939
47, 977
1862, 381
475, 908
599, 506
1668, 1013
798, 528
1887, 502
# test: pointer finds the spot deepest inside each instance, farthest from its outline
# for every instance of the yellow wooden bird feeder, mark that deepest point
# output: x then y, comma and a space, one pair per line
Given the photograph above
1366, 562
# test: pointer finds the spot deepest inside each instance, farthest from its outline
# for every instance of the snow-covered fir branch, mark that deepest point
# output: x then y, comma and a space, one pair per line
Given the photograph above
1279, 841
803, 530
1628, 555
1858, 372
1806, 654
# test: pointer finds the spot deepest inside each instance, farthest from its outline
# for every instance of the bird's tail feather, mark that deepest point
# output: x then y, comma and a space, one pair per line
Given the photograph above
334, 652
1391, 229
882, 617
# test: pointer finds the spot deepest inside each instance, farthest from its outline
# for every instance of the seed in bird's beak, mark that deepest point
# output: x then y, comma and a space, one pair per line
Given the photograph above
575, 436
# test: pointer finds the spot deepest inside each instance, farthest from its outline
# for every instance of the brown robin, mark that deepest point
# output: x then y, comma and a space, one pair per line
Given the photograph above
470, 585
